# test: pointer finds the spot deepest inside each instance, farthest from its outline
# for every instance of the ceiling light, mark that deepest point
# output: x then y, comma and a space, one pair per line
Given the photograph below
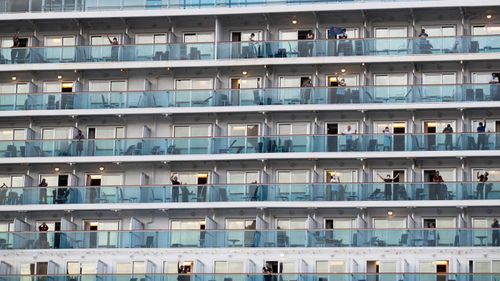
390, 213
101, 168
56, 169
489, 16
294, 21
343, 70
244, 73
14, 78
59, 77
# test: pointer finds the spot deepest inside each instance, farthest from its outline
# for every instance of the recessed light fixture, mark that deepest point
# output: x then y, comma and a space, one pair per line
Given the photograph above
59, 77
244, 73
56, 169
343, 70
14, 78
101, 168
294, 21
390, 213
489, 16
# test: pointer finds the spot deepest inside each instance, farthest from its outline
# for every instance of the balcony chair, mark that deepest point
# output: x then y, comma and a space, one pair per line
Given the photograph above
149, 242
172, 150
372, 145
194, 54
51, 102
469, 94
287, 146
11, 151
3, 244
377, 194
282, 239
139, 103
479, 95
156, 150
61, 195
130, 150
153, 197
223, 100
202, 102
105, 103
125, 199
403, 241
226, 150
138, 149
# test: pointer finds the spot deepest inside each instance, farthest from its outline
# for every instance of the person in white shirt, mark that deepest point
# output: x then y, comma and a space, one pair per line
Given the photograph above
348, 139
495, 86
335, 187
387, 139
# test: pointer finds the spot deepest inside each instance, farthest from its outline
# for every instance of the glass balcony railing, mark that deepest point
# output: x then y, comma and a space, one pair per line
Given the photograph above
251, 97
251, 192
108, 53
251, 145
429, 237
392, 276
39, 6
252, 50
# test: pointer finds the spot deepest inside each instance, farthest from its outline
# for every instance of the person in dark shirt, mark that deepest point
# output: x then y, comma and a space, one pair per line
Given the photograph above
114, 48
482, 139
495, 233
43, 192
483, 178
175, 188
388, 185
448, 137
423, 34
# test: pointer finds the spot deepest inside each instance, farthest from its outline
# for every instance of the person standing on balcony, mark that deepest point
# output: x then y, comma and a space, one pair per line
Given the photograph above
483, 178
3, 193
42, 241
79, 143
16, 44
252, 43
348, 139
306, 91
494, 86
482, 139
310, 43
175, 188
387, 138
495, 233
448, 137
43, 192
267, 271
335, 186
341, 91
389, 183
436, 188
114, 48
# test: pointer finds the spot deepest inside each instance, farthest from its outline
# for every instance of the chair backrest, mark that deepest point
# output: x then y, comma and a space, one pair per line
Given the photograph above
372, 144
149, 241
287, 144
404, 238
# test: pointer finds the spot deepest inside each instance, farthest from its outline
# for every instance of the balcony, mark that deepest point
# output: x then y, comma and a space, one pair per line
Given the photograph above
288, 144
378, 47
393, 276
322, 238
34, 6
404, 94
300, 192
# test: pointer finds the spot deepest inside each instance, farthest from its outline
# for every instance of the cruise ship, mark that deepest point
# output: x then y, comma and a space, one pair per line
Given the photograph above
249, 140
